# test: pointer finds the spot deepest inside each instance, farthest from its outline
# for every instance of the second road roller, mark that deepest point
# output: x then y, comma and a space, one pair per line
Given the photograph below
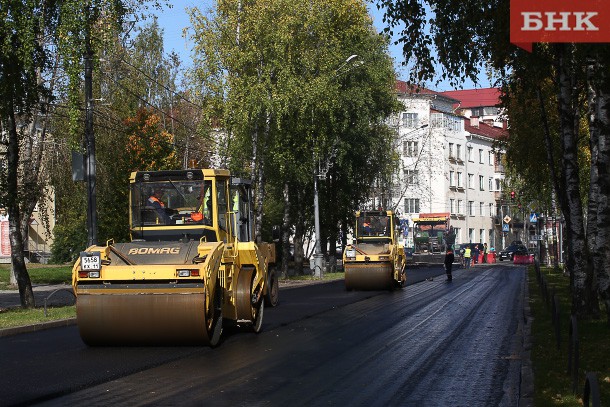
376, 259
190, 268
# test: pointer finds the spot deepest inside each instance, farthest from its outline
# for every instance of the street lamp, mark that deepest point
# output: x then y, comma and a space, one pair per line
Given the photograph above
318, 257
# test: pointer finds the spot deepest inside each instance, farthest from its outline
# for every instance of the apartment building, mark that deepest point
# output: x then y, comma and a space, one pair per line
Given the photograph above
450, 163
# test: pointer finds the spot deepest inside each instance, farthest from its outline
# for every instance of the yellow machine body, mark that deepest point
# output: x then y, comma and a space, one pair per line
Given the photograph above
376, 260
187, 270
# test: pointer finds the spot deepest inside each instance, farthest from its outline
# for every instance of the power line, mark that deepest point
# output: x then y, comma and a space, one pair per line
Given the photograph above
160, 84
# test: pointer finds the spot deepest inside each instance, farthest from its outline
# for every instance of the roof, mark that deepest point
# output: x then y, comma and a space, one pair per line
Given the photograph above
405, 88
475, 97
485, 130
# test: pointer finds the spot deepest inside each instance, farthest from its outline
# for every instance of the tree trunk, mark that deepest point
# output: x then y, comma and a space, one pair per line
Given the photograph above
26, 295
599, 207
583, 298
286, 231
298, 239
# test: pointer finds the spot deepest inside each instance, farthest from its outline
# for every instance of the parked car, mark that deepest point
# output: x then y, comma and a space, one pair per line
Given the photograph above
509, 252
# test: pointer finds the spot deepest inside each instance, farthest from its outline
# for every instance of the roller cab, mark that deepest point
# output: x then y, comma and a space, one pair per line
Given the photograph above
376, 260
191, 265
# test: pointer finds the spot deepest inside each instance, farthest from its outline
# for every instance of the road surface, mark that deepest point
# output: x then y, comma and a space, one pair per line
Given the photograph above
430, 344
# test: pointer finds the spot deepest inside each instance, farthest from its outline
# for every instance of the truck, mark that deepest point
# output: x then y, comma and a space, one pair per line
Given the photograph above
376, 259
190, 267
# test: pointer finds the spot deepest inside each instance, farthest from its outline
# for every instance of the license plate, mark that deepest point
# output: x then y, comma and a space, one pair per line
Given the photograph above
90, 261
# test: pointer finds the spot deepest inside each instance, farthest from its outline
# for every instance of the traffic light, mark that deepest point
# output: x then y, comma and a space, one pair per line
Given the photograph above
512, 195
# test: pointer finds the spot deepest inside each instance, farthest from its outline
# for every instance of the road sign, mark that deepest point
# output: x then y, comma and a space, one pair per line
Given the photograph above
536, 237
505, 227
507, 219
533, 217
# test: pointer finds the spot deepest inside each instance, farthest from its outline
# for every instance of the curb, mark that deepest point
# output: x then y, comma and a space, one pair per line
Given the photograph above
36, 327
526, 393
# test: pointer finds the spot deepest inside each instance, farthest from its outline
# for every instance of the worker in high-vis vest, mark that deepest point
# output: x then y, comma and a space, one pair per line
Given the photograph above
203, 210
467, 257
155, 201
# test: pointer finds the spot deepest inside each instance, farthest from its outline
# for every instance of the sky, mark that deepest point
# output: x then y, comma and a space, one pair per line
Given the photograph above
174, 20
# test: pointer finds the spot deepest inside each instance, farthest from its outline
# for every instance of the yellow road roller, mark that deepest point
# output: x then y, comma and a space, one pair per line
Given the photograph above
376, 260
190, 267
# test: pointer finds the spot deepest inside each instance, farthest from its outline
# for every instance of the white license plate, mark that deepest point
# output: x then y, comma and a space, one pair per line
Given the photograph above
90, 261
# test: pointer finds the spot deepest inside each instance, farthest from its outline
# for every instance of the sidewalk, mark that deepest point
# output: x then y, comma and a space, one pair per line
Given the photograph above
53, 294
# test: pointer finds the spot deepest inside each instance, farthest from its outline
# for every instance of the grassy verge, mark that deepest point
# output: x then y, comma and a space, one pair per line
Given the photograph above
553, 386
19, 317
308, 277
39, 274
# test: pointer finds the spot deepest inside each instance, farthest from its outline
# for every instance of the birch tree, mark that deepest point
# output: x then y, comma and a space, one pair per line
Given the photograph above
465, 35
302, 89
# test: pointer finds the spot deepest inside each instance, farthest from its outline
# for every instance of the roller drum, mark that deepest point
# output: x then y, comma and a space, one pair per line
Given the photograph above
369, 276
142, 319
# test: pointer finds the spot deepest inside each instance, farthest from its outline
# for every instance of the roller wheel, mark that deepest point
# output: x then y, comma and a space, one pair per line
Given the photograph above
245, 309
258, 319
273, 289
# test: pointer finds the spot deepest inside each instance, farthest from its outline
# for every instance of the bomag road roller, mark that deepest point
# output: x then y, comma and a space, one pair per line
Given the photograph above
376, 261
191, 264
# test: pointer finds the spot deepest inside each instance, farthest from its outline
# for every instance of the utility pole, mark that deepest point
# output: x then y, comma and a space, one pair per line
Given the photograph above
90, 172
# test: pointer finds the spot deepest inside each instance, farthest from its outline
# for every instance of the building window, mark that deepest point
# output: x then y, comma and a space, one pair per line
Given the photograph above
470, 235
409, 120
471, 208
491, 184
451, 178
451, 150
448, 121
490, 157
458, 237
411, 177
459, 180
458, 151
411, 205
459, 207
481, 237
452, 206
471, 181
470, 157
481, 183
498, 184
410, 148
482, 208
491, 209
481, 156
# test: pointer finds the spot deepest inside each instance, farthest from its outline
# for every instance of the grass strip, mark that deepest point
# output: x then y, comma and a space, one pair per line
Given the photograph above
39, 274
20, 317
553, 385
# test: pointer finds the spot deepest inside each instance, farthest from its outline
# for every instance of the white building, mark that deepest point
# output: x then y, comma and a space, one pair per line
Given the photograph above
449, 166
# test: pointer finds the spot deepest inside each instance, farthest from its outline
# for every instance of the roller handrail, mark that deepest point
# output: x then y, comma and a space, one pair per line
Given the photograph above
55, 291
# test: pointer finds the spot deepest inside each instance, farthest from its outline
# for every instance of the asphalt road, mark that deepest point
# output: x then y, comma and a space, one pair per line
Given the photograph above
430, 344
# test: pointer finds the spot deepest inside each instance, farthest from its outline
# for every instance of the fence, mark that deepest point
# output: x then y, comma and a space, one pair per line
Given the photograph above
591, 388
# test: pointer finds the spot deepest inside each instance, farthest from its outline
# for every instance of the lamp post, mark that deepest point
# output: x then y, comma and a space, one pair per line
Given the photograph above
318, 257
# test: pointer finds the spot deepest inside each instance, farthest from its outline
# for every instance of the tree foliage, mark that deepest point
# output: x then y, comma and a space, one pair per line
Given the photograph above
280, 79
134, 130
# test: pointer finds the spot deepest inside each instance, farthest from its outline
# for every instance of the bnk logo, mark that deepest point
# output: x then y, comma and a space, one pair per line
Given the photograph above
563, 21
559, 21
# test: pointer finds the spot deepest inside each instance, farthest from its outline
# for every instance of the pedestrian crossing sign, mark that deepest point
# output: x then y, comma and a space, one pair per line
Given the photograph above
505, 227
533, 218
